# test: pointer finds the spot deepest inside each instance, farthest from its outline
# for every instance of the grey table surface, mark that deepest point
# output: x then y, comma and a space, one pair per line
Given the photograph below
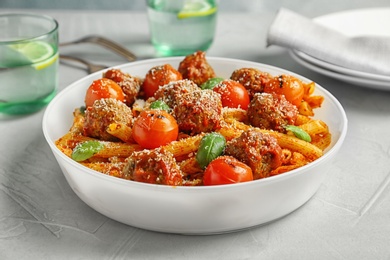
348, 218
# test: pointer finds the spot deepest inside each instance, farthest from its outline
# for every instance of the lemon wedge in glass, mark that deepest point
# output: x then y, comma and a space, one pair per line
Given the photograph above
46, 63
196, 9
37, 53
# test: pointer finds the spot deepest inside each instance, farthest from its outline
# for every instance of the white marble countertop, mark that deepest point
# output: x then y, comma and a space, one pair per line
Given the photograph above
348, 218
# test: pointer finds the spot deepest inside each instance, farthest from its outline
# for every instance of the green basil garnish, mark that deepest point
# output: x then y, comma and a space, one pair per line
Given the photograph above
161, 105
210, 83
211, 146
82, 110
298, 132
86, 150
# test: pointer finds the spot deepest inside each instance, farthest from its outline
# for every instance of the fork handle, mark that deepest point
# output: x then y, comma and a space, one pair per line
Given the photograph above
113, 46
91, 67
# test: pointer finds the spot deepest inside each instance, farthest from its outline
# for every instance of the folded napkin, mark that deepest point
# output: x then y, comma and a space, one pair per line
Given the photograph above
366, 53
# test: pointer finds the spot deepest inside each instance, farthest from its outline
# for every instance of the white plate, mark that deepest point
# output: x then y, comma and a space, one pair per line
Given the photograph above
339, 69
361, 22
355, 80
191, 210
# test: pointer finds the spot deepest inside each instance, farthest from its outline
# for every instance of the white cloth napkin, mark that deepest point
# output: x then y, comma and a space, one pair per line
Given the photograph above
366, 54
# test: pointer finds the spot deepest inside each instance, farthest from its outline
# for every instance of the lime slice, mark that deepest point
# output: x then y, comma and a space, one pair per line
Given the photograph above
39, 54
195, 9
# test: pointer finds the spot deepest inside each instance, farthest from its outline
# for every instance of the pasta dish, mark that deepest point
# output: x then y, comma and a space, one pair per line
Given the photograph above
186, 126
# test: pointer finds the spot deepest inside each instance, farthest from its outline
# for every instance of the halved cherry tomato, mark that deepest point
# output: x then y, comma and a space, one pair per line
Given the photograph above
286, 85
233, 94
103, 88
154, 128
159, 76
226, 170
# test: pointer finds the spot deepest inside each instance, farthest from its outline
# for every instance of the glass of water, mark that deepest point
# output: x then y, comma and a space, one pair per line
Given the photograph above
181, 27
28, 62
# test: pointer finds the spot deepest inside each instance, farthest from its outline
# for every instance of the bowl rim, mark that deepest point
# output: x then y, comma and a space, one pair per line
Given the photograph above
133, 184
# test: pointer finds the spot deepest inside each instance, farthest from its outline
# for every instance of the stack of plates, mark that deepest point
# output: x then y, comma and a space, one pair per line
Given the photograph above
363, 22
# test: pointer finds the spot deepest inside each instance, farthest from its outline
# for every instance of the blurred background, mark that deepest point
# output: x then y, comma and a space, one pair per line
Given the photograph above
306, 7
131, 30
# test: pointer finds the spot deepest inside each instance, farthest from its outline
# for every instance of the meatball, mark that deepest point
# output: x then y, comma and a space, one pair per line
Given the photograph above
102, 114
252, 79
259, 151
159, 76
171, 92
130, 85
199, 111
271, 111
153, 166
196, 68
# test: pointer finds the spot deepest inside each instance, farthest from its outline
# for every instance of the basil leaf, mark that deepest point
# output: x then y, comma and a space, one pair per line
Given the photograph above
298, 132
211, 146
210, 83
160, 105
86, 150
82, 110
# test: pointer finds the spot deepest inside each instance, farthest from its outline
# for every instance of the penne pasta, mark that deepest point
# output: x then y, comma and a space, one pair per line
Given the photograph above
121, 131
305, 109
116, 149
184, 146
308, 89
294, 144
302, 119
283, 169
322, 141
315, 127
112, 169
78, 122
190, 166
230, 132
70, 140
315, 101
235, 113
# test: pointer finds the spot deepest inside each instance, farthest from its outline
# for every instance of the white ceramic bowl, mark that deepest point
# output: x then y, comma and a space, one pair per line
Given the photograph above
191, 210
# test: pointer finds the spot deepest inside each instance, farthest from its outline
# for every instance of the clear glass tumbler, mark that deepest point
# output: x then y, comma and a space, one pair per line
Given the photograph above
28, 62
181, 27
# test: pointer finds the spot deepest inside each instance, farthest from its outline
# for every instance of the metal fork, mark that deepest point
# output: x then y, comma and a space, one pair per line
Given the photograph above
91, 67
109, 44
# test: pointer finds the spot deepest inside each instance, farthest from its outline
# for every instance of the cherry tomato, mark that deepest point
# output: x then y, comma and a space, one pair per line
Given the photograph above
233, 94
159, 76
103, 88
226, 170
286, 85
154, 128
